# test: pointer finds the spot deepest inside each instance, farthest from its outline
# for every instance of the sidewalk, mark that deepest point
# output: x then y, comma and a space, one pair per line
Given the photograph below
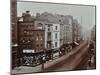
25, 69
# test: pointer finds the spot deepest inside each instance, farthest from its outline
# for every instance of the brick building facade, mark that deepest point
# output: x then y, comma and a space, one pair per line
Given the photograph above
31, 33
14, 39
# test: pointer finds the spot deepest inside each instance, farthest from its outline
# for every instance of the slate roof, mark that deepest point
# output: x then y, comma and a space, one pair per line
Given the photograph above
54, 18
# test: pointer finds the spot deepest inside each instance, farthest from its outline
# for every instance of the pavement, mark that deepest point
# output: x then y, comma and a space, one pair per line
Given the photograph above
26, 69
93, 63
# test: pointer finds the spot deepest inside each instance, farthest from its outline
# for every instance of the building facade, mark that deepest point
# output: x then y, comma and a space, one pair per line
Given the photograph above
31, 33
14, 39
52, 34
75, 29
93, 33
69, 36
39, 34
66, 30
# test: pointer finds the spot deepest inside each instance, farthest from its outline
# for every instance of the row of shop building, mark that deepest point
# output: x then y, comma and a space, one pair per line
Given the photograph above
46, 31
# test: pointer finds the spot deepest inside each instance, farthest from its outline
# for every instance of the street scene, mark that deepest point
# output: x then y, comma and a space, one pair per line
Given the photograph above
51, 37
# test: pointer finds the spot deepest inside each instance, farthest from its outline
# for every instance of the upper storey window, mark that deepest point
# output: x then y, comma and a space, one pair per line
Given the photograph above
40, 26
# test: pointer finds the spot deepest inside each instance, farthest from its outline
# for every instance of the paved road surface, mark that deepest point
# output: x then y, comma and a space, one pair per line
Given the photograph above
66, 62
73, 62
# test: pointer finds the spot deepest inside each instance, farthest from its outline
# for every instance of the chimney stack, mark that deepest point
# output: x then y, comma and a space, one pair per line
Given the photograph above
27, 11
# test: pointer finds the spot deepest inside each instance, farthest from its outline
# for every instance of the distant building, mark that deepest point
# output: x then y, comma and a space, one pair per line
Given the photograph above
25, 29
93, 33
68, 29
79, 35
75, 30
58, 29
65, 29
52, 31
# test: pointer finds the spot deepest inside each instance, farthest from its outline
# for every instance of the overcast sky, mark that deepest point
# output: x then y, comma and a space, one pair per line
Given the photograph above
86, 12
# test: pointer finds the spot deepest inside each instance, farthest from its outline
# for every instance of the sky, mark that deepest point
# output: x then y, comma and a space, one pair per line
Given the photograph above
84, 14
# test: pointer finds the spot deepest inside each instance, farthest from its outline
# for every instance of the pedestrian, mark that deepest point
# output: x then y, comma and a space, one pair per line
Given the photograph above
44, 58
89, 62
91, 45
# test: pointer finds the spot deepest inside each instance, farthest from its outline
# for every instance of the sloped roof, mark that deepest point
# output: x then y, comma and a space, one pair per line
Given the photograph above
54, 18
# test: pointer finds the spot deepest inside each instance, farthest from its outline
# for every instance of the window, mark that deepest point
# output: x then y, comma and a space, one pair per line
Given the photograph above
37, 35
23, 41
41, 39
48, 29
37, 45
56, 27
41, 34
59, 20
25, 31
41, 45
40, 26
48, 26
56, 35
49, 34
28, 41
37, 38
55, 44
